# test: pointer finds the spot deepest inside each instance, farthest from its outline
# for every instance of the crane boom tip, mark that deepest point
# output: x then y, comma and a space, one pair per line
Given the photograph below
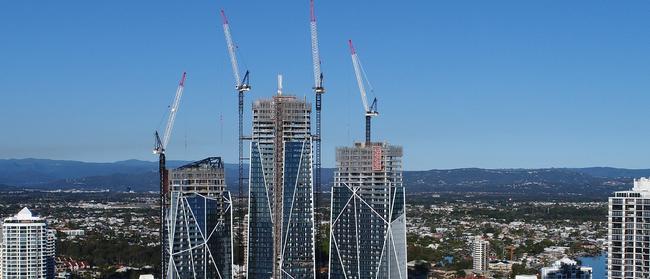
352, 50
223, 17
182, 83
311, 9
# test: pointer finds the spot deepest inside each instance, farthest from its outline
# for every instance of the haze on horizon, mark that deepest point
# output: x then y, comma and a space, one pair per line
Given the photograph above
506, 84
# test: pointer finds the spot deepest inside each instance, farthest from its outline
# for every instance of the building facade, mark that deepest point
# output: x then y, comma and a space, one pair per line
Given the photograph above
281, 205
27, 247
566, 269
629, 232
199, 222
480, 253
368, 231
244, 239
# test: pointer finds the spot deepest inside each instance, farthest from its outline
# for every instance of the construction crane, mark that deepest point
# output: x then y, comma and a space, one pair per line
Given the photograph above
159, 148
371, 111
242, 85
318, 90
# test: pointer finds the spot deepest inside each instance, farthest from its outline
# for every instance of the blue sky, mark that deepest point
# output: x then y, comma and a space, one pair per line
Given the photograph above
493, 84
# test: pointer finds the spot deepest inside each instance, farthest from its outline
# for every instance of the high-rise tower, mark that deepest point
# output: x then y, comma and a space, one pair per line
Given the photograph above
628, 252
368, 219
199, 222
281, 204
480, 252
27, 247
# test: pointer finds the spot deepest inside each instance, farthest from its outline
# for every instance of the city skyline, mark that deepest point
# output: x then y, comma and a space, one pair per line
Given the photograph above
556, 89
504, 121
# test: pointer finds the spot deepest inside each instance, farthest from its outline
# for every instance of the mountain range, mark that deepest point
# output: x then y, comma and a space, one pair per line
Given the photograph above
139, 175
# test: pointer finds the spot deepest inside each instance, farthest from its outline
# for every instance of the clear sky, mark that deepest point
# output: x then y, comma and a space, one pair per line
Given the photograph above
494, 84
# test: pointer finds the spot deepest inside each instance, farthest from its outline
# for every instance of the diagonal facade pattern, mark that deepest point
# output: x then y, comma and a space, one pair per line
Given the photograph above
199, 223
281, 212
368, 219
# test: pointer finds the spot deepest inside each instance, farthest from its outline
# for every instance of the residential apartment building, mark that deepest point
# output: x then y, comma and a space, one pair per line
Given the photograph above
629, 232
281, 205
27, 247
368, 231
199, 222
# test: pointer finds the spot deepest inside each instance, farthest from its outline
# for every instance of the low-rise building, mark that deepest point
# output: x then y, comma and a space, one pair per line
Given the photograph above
566, 269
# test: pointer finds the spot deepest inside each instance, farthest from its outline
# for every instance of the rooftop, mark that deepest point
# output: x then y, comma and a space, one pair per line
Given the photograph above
23, 215
641, 185
207, 163
641, 189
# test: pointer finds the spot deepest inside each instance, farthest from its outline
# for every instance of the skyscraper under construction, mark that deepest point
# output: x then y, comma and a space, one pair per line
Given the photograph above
281, 204
368, 220
199, 224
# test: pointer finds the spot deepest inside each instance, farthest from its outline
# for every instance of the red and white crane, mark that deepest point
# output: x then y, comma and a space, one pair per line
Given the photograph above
319, 89
315, 55
370, 111
161, 144
242, 85
160, 148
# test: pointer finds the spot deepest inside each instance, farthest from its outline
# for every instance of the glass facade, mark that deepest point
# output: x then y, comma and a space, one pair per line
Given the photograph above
281, 213
368, 231
200, 222
260, 232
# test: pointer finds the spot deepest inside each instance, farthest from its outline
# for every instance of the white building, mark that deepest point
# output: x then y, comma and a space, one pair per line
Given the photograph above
28, 247
566, 268
480, 252
1, 253
74, 233
629, 232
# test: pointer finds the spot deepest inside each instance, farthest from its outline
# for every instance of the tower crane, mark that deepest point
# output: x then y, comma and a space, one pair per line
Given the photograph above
371, 111
159, 148
318, 90
242, 85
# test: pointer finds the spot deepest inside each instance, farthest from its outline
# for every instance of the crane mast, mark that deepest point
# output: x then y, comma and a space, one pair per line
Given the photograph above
318, 90
370, 110
160, 146
242, 86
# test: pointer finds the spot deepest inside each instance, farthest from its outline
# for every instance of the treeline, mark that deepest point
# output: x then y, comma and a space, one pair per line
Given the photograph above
99, 251
546, 213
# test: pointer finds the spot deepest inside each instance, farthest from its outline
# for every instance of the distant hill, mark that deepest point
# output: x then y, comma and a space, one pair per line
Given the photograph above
606, 172
143, 176
528, 181
135, 175
31, 172
7, 188
147, 181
